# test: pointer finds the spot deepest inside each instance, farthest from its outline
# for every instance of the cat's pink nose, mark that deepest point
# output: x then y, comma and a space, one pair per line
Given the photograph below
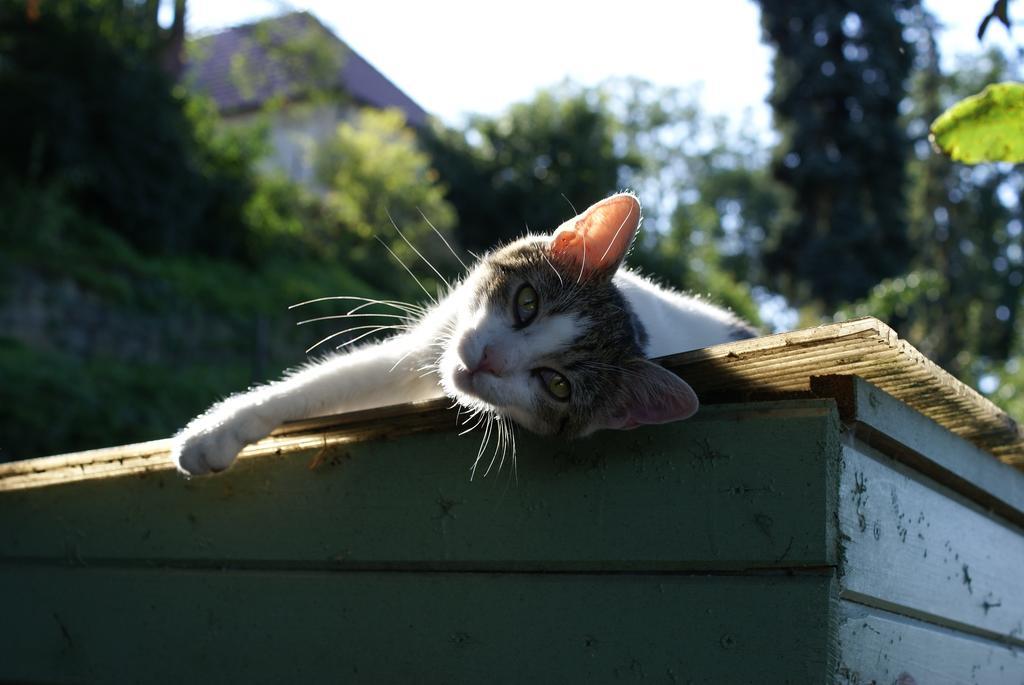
490, 362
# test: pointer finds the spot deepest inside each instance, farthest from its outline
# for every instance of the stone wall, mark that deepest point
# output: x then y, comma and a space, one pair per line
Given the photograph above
58, 314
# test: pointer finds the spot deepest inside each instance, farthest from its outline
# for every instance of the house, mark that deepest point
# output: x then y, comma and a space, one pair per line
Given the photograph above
283, 60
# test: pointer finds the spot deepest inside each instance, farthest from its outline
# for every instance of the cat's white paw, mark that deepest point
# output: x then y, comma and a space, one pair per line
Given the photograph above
201, 453
208, 446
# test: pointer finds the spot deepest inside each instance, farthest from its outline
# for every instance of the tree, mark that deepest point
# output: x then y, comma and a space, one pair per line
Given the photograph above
707, 195
379, 183
89, 111
966, 225
840, 70
573, 145
527, 167
959, 301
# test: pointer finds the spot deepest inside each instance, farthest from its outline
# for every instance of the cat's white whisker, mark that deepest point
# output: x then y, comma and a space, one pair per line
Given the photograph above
401, 359
611, 243
483, 445
583, 262
418, 253
368, 333
515, 462
479, 419
397, 304
407, 269
574, 212
454, 253
353, 316
561, 284
409, 310
498, 433
374, 329
503, 441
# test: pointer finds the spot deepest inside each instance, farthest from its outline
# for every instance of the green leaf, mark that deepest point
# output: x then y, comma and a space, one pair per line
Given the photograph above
987, 127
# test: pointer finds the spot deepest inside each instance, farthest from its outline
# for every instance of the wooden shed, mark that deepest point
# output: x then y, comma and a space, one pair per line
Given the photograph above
839, 511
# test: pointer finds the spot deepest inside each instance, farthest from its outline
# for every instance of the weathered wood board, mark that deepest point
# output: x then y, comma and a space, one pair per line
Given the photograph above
893, 428
161, 626
880, 647
738, 487
911, 546
866, 348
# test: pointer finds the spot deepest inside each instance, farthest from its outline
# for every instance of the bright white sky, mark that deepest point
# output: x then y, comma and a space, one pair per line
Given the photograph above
457, 56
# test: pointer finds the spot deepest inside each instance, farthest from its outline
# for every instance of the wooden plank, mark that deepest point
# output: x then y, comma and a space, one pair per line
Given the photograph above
743, 486
880, 647
863, 347
97, 626
913, 547
772, 366
903, 434
149, 457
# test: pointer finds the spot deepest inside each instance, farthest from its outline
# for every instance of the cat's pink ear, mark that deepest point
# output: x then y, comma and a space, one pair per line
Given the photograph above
598, 239
655, 395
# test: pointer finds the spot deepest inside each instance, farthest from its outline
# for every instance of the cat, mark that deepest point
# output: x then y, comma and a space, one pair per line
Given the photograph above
548, 332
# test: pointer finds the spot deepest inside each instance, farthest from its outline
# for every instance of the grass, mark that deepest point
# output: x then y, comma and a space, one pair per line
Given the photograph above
54, 401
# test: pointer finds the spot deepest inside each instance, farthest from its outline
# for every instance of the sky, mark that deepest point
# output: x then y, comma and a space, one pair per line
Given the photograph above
454, 56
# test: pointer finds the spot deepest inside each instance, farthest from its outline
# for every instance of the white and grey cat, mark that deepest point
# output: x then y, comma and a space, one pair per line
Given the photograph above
548, 332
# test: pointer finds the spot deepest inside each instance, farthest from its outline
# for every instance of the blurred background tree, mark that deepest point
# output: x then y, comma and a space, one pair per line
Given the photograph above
840, 73
149, 251
378, 183
90, 112
959, 297
534, 166
525, 168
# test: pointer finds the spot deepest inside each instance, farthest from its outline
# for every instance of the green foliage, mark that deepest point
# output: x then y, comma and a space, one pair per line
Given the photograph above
522, 169
116, 184
987, 127
707, 195
139, 194
959, 301
285, 218
723, 199
372, 164
58, 400
839, 73
87, 108
1009, 379
379, 183
299, 52
536, 164
53, 239
54, 402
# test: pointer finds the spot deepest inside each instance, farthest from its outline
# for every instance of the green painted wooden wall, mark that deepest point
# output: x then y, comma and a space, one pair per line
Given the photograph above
737, 547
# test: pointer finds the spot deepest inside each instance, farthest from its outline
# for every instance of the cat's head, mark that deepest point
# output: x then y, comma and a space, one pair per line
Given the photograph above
544, 337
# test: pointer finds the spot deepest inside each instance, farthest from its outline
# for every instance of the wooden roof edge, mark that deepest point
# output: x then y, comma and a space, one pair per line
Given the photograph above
866, 325
920, 383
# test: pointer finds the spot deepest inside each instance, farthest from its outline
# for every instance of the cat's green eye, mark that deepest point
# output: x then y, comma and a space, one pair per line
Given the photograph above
555, 383
527, 303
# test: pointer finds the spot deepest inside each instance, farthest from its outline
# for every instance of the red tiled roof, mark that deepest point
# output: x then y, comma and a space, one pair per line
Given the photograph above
215, 60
